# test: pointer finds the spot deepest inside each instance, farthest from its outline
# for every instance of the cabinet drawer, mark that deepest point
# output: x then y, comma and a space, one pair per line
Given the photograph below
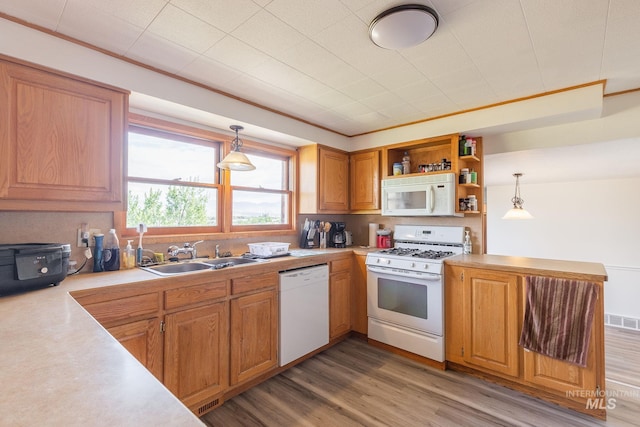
125, 309
193, 294
340, 265
252, 283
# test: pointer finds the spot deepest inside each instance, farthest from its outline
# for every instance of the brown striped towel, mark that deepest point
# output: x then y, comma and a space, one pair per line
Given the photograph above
558, 318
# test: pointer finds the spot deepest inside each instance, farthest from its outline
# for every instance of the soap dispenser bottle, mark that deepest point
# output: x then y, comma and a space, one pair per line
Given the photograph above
128, 257
467, 243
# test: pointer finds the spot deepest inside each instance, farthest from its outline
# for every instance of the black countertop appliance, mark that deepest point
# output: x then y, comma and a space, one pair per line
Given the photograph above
337, 235
28, 266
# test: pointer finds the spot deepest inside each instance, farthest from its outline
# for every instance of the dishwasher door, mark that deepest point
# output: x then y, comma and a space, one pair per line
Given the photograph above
304, 312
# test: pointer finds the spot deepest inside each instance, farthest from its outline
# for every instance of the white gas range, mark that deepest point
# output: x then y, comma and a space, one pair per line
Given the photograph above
405, 288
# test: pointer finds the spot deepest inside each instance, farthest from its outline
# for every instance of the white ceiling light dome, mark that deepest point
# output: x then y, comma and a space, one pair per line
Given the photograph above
403, 26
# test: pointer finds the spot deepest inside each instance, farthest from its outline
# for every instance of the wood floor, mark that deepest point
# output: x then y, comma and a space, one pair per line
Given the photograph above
354, 384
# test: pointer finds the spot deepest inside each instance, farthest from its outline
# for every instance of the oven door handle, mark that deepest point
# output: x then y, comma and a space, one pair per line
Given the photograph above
390, 273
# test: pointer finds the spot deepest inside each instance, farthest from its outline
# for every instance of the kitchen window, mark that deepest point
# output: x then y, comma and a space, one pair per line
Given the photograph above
175, 187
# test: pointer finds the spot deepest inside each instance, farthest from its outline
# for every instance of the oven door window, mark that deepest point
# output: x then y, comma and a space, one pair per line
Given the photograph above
402, 297
407, 199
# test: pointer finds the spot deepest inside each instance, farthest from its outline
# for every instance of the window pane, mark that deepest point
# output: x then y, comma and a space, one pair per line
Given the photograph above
160, 158
171, 205
255, 208
269, 173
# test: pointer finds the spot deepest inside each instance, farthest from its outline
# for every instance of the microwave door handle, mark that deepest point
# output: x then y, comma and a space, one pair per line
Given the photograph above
431, 199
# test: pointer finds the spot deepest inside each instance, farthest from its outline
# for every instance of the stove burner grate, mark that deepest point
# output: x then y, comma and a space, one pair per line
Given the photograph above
417, 253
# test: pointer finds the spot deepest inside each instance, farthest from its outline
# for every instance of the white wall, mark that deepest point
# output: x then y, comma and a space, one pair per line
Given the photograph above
595, 221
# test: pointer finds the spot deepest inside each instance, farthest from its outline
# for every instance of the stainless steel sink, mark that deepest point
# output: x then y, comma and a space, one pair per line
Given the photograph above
199, 265
228, 262
177, 268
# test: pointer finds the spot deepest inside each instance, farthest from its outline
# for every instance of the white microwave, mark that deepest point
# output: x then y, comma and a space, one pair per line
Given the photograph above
421, 195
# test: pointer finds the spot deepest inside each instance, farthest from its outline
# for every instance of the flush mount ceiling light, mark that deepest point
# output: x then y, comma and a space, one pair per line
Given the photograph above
235, 160
517, 212
403, 26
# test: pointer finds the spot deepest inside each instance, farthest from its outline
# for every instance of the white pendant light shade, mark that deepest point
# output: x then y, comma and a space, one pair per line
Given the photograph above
236, 160
403, 26
517, 211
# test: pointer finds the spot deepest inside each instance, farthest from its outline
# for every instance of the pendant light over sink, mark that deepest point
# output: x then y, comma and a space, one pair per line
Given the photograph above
517, 212
403, 26
236, 160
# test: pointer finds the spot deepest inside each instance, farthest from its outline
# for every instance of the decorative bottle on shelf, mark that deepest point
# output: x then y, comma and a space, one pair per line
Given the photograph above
406, 163
467, 243
111, 253
97, 256
462, 142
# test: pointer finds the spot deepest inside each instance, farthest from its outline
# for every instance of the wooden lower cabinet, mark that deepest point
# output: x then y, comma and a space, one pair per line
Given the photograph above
359, 319
143, 339
484, 311
339, 297
196, 354
254, 335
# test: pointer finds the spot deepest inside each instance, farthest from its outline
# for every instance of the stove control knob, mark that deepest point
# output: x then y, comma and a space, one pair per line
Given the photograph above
387, 261
426, 266
413, 265
44, 270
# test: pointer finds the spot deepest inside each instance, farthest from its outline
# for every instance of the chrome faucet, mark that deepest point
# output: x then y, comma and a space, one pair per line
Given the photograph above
217, 251
185, 249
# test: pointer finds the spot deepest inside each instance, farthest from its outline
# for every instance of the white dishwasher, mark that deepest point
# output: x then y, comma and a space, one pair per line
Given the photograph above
304, 311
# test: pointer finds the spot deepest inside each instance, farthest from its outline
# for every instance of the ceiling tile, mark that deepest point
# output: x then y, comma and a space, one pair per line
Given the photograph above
236, 54
267, 33
185, 30
45, 13
158, 52
309, 17
98, 28
223, 14
137, 12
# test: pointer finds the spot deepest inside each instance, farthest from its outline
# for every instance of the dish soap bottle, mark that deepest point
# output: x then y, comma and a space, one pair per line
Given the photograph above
467, 243
97, 256
111, 254
128, 257
406, 163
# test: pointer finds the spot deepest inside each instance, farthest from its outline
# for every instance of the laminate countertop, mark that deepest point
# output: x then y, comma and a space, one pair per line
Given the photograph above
59, 366
576, 270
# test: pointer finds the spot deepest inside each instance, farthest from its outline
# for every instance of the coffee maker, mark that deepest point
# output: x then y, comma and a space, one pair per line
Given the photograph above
337, 235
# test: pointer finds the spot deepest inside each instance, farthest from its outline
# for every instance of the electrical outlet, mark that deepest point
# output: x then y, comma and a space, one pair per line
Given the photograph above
86, 239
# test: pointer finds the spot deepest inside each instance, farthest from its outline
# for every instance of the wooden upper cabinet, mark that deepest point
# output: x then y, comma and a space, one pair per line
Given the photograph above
61, 140
365, 180
323, 180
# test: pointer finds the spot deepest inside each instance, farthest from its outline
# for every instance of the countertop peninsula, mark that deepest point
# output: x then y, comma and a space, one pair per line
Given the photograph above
576, 270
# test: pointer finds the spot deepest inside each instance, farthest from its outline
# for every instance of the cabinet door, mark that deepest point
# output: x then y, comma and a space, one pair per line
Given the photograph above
339, 304
254, 335
333, 191
359, 296
365, 180
453, 310
144, 341
491, 325
196, 353
62, 140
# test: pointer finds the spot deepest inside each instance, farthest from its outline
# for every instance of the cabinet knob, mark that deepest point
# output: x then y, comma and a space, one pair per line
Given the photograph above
44, 270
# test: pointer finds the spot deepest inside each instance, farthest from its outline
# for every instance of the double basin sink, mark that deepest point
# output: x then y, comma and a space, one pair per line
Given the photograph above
197, 265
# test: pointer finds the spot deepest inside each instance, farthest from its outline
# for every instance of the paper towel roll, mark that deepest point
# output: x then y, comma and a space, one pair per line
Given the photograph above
373, 237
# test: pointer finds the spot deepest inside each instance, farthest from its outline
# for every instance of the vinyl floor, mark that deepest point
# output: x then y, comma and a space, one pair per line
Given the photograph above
355, 384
